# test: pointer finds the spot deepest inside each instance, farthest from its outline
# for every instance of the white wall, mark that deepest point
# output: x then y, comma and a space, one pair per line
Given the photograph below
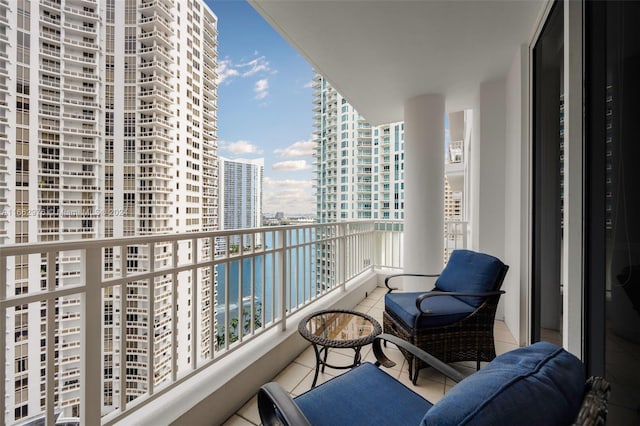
492, 162
490, 228
487, 173
516, 196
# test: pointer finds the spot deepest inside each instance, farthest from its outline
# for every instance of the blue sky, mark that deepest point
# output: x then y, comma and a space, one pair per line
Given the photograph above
264, 105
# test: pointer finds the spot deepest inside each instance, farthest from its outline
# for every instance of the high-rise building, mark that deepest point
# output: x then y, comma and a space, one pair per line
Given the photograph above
240, 195
360, 170
107, 129
388, 171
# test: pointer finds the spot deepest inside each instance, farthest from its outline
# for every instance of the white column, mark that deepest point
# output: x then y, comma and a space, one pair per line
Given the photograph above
424, 188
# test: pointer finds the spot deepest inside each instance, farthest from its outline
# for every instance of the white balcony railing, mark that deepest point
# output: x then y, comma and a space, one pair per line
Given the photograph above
455, 237
455, 153
147, 312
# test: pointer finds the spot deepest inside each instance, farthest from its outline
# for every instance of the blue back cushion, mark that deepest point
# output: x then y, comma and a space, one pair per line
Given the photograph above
469, 271
540, 384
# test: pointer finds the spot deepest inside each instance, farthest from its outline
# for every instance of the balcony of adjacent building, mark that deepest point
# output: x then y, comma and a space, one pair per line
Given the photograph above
160, 7
455, 166
81, 26
86, 14
151, 37
155, 21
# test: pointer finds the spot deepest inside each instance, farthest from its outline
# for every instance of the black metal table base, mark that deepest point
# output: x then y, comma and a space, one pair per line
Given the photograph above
321, 360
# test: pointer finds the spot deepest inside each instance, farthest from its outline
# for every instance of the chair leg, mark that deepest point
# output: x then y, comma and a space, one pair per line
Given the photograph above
413, 372
477, 364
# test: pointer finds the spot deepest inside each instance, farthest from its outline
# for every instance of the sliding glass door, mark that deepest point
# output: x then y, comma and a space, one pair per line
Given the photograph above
612, 202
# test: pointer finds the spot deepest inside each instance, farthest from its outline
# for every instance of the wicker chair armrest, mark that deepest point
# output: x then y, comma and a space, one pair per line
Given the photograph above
434, 362
388, 278
593, 410
275, 405
436, 293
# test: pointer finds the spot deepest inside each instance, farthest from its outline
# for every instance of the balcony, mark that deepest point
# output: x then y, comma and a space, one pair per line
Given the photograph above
82, 13
85, 28
272, 275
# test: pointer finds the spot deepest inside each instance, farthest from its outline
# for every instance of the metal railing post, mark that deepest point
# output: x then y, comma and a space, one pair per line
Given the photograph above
282, 277
51, 334
91, 366
341, 256
174, 310
464, 234
3, 334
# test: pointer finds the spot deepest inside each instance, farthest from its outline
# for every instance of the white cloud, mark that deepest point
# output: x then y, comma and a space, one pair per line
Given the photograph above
255, 66
287, 183
288, 196
297, 149
239, 147
226, 71
291, 166
308, 85
261, 88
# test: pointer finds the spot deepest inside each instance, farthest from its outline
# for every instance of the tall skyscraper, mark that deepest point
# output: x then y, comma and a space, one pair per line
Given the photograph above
240, 195
359, 170
107, 129
388, 171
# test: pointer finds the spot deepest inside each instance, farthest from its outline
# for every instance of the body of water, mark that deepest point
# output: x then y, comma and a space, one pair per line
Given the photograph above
301, 275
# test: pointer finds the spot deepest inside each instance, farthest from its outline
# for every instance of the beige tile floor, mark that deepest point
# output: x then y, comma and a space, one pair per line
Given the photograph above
297, 377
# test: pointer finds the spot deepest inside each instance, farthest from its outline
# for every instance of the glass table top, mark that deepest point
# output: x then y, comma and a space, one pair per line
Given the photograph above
339, 326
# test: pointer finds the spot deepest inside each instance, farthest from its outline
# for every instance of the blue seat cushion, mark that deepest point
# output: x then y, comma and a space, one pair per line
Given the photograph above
540, 384
444, 309
470, 272
364, 395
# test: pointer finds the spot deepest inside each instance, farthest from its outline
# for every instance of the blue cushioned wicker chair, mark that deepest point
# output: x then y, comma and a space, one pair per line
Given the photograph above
541, 384
454, 321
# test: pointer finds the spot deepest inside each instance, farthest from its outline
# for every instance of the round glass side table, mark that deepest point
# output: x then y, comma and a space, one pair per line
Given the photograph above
336, 328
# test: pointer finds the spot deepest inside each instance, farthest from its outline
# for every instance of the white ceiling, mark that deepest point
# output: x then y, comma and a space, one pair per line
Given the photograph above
377, 53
